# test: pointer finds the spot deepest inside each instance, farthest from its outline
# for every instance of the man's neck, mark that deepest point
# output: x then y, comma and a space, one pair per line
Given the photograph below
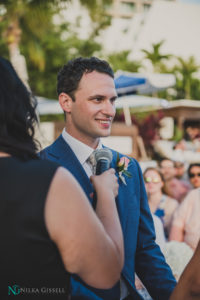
91, 142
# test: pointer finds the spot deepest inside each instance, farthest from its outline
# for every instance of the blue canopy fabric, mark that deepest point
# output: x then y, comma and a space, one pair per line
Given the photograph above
125, 84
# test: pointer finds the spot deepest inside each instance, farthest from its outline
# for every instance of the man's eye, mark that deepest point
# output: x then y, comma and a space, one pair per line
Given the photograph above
98, 99
113, 101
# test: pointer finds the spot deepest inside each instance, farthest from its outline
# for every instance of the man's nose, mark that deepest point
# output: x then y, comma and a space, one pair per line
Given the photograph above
109, 108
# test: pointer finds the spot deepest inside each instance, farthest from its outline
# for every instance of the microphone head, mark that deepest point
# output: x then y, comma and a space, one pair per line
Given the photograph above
103, 154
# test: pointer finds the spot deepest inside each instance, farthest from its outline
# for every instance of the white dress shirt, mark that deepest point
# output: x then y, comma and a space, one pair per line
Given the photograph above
81, 150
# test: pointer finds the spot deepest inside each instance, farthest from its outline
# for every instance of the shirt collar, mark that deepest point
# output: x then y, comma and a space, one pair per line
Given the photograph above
81, 150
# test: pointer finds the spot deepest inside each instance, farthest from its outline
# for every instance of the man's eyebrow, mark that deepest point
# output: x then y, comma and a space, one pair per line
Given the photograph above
101, 97
113, 98
97, 96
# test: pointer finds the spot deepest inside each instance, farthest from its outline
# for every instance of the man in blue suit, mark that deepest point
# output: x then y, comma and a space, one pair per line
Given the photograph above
87, 95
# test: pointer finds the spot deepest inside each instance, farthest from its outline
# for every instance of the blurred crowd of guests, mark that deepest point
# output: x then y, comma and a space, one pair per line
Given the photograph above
185, 150
173, 191
174, 197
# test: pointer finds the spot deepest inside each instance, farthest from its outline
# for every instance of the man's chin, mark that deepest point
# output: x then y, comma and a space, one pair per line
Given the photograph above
105, 134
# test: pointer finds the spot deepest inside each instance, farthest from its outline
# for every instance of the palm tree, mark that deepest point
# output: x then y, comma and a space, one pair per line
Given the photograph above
155, 56
120, 61
22, 19
184, 72
25, 23
98, 15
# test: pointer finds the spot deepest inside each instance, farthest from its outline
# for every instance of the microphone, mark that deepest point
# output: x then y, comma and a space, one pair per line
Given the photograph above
103, 158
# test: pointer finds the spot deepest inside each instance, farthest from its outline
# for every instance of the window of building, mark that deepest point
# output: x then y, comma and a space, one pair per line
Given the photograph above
127, 7
146, 7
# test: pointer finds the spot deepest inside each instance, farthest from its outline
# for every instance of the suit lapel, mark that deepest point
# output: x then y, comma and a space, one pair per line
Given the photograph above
123, 193
64, 155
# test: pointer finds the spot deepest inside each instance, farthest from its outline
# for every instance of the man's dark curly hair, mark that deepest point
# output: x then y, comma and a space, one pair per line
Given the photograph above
70, 75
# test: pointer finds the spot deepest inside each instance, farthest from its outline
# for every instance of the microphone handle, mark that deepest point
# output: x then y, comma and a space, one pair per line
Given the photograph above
102, 166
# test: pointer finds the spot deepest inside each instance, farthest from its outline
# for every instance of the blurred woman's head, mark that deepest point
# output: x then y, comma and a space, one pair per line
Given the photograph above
153, 181
17, 115
194, 174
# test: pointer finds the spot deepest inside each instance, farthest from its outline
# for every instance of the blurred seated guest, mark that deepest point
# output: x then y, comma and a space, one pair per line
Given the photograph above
188, 287
181, 171
176, 152
193, 132
186, 221
194, 175
180, 145
173, 187
160, 204
48, 229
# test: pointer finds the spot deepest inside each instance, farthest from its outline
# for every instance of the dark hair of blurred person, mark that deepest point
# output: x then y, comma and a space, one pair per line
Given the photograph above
194, 174
17, 115
43, 210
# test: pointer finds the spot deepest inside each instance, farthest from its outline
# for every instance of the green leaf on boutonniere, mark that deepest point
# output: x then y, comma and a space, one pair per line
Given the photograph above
128, 174
121, 168
118, 159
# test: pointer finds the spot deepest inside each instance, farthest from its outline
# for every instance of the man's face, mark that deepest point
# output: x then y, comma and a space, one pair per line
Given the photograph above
167, 169
180, 169
195, 176
91, 114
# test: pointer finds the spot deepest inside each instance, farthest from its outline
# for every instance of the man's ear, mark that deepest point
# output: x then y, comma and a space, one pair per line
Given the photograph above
65, 102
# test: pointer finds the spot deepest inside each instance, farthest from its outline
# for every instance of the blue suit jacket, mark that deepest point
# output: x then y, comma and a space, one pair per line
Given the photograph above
142, 254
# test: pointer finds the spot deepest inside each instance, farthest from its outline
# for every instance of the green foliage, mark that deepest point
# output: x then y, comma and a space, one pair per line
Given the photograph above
120, 61
47, 46
155, 56
187, 85
178, 134
97, 11
80, 47
53, 118
33, 18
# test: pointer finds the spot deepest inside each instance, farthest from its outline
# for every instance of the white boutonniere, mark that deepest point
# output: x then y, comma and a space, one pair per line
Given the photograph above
122, 167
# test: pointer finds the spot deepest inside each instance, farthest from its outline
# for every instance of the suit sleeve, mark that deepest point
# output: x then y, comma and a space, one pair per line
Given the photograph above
150, 263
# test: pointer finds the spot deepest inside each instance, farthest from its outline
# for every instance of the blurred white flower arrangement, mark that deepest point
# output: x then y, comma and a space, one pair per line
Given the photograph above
177, 255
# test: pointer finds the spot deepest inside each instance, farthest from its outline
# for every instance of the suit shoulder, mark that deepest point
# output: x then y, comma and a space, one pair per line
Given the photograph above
49, 150
43, 154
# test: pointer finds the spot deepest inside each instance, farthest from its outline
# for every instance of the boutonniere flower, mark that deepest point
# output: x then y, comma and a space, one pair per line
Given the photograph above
122, 167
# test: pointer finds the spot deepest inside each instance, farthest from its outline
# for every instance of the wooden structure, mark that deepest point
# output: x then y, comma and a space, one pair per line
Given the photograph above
183, 110
121, 130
